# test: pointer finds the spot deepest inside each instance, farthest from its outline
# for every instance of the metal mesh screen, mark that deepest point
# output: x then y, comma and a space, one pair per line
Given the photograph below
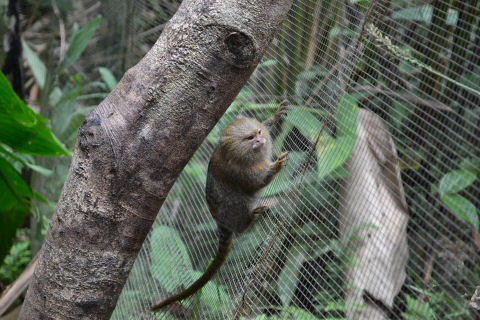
376, 214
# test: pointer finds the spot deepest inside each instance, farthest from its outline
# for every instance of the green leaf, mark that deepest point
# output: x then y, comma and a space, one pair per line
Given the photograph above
338, 305
15, 262
288, 279
22, 129
13, 189
296, 313
267, 63
195, 170
68, 94
14, 204
284, 182
308, 125
252, 106
280, 138
36, 65
39, 198
171, 265
212, 295
471, 164
64, 113
346, 117
312, 73
79, 41
424, 14
456, 180
108, 78
74, 122
42, 170
336, 31
463, 209
332, 153
417, 310
55, 96
399, 112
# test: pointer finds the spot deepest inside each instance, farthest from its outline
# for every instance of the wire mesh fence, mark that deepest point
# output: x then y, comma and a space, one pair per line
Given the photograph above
376, 214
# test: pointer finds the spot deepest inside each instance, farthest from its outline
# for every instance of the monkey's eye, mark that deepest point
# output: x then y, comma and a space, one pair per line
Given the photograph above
259, 131
250, 137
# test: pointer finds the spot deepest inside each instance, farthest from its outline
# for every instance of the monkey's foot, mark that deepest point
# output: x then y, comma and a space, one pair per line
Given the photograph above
258, 211
282, 108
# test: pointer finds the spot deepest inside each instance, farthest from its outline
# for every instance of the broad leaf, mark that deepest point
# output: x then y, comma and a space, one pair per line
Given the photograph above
456, 180
463, 209
22, 129
472, 163
267, 63
14, 204
332, 153
283, 181
171, 264
213, 296
290, 275
424, 14
305, 121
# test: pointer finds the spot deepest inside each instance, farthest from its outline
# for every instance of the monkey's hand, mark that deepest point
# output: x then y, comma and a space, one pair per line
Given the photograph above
281, 110
274, 168
280, 162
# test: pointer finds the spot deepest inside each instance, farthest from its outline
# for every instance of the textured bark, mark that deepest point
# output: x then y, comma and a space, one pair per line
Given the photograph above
132, 147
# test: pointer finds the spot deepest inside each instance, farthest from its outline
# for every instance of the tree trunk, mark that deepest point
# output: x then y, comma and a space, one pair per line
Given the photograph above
133, 146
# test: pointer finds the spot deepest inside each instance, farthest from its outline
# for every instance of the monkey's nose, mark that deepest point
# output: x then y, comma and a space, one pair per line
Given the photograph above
258, 143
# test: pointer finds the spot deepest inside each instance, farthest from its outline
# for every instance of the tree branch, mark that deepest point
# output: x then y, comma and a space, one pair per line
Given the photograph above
133, 146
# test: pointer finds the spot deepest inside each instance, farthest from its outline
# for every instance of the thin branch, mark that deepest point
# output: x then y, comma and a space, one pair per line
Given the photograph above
407, 98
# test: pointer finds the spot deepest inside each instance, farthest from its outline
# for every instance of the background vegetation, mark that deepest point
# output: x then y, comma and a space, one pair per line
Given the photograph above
416, 64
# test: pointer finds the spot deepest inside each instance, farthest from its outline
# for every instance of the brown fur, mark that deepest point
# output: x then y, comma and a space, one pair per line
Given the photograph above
239, 169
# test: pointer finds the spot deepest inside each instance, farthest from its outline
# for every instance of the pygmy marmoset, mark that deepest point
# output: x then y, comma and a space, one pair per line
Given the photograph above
239, 169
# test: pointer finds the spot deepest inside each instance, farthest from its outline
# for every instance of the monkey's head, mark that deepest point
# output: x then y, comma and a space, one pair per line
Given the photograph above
246, 140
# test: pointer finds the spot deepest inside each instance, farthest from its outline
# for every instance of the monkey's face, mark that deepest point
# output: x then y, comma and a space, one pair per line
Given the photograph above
246, 139
256, 139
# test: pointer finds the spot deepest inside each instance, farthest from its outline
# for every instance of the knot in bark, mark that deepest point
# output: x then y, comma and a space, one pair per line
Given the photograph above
241, 49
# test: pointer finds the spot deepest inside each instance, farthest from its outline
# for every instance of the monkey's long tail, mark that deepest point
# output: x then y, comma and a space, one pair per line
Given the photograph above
224, 245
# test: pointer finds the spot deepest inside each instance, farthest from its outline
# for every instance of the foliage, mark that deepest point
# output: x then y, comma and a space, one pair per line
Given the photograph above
171, 264
78, 42
22, 133
16, 261
175, 264
392, 78
450, 185
417, 310
290, 313
63, 100
61, 103
22, 129
25, 135
431, 306
172, 268
413, 70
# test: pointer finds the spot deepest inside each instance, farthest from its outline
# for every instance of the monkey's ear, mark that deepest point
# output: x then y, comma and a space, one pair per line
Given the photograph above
240, 116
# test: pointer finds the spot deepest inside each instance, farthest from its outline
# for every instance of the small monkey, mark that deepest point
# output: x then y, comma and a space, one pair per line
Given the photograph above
240, 167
